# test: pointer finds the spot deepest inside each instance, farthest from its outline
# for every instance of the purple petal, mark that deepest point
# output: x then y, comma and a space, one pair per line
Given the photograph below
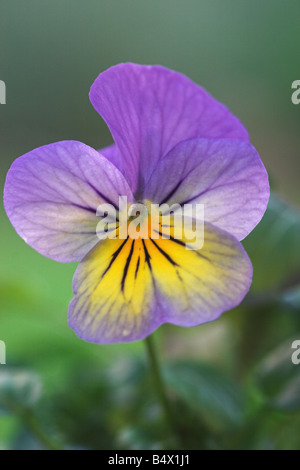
149, 109
52, 193
125, 289
225, 175
112, 154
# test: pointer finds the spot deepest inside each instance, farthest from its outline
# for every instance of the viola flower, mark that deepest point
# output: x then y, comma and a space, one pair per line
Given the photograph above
174, 143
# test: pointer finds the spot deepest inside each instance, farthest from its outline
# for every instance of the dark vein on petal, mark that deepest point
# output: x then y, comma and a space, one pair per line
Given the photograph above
171, 193
114, 256
147, 256
180, 242
164, 253
103, 197
127, 266
90, 209
137, 267
187, 201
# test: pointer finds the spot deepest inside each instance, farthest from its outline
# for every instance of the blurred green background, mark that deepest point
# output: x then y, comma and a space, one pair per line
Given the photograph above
232, 382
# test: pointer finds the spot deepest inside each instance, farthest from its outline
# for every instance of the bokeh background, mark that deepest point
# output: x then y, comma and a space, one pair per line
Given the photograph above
232, 382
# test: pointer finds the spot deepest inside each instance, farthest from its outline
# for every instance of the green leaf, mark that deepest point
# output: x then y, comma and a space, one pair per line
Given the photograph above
140, 438
292, 298
218, 400
274, 246
279, 379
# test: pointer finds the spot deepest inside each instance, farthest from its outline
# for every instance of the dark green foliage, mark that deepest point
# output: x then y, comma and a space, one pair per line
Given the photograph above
102, 397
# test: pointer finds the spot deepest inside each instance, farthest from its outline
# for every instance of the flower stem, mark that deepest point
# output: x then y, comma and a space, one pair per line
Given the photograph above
32, 424
158, 381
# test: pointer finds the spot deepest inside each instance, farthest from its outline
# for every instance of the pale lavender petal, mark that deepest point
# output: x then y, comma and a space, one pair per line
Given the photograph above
225, 175
52, 193
149, 109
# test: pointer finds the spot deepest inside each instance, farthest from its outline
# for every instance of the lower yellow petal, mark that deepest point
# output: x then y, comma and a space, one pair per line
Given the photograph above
126, 288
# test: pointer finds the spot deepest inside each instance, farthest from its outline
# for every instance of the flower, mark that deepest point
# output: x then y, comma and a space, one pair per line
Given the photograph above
174, 143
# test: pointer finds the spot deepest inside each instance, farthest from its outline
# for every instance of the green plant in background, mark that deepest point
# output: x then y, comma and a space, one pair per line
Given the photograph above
245, 396
230, 383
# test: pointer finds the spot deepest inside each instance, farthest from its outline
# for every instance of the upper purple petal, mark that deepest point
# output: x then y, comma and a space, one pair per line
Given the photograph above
149, 109
226, 176
52, 193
